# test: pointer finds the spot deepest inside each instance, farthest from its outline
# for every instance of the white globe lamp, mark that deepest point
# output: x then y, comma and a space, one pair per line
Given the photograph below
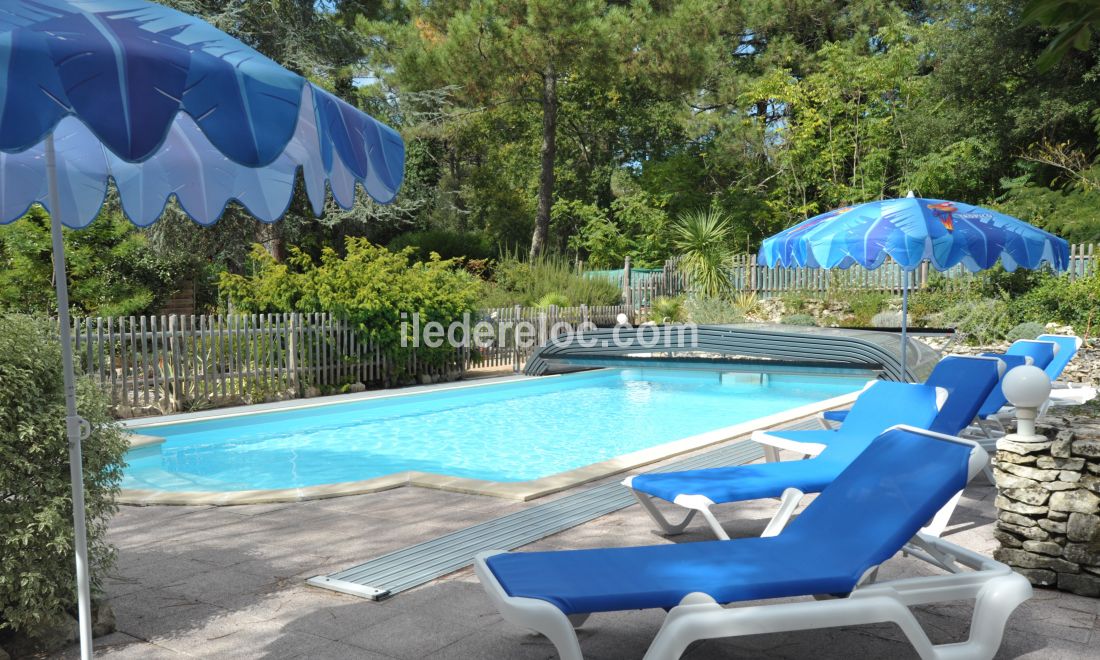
1027, 388
622, 319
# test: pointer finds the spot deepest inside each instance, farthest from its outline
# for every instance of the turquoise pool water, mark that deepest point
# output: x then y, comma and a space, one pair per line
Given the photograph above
514, 431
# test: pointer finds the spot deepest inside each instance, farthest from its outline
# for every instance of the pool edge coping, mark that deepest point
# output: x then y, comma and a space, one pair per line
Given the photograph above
513, 490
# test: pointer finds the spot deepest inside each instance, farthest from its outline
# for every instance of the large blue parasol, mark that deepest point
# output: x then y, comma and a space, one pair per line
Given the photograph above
164, 105
913, 230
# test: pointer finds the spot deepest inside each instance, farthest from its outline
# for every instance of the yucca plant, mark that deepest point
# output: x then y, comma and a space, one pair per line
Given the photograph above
703, 241
747, 303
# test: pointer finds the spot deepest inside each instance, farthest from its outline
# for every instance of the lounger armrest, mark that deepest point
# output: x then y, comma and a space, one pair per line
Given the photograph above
537, 615
807, 448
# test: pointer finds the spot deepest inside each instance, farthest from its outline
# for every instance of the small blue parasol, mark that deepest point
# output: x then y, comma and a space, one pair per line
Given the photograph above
913, 230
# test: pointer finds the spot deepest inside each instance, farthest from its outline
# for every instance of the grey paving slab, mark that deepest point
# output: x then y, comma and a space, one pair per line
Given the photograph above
228, 583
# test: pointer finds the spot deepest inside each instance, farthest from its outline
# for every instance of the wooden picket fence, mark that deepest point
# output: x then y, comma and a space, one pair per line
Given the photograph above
171, 363
746, 275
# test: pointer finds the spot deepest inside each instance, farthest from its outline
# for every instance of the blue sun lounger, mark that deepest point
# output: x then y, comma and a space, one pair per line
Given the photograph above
699, 490
954, 372
1065, 393
871, 511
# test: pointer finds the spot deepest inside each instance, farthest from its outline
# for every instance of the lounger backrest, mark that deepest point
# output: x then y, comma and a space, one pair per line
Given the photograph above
969, 381
883, 498
1067, 348
996, 399
886, 403
1040, 352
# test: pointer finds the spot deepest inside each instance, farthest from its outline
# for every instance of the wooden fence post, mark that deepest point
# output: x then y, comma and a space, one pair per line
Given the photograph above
628, 296
292, 353
517, 313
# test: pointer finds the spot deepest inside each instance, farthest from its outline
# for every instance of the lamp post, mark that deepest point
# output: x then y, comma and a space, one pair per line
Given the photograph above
1027, 388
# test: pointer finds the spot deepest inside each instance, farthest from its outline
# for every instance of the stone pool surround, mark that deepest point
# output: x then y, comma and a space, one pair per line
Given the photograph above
143, 433
1048, 503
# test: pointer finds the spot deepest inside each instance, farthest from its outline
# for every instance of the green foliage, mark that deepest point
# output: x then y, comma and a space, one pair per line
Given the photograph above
980, 321
747, 303
370, 286
1074, 303
37, 580
637, 226
447, 244
865, 305
552, 300
1076, 20
794, 302
111, 270
666, 309
1029, 330
798, 319
712, 310
518, 281
702, 239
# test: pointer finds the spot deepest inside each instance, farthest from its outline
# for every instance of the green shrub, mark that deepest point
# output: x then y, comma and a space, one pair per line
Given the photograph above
798, 319
794, 303
1059, 300
447, 244
864, 305
517, 281
714, 310
370, 286
980, 321
553, 299
666, 309
37, 581
927, 306
1027, 330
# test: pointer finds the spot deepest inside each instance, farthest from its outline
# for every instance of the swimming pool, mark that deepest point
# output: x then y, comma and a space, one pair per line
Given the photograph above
515, 431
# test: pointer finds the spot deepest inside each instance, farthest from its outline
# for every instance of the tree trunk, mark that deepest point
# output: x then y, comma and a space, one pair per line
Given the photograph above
549, 149
269, 236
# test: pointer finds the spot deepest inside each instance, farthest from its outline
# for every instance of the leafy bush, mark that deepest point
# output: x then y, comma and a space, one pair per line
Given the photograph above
37, 580
666, 309
747, 303
112, 270
713, 310
703, 240
447, 244
553, 299
866, 305
1027, 330
370, 286
980, 321
798, 319
794, 302
1057, 299
517, 281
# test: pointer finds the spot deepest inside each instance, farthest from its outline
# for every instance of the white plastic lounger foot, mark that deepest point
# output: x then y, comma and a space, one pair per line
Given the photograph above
667, 528
531, 613
996, 590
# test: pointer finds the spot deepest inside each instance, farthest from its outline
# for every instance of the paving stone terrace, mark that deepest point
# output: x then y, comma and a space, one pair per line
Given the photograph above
229, 582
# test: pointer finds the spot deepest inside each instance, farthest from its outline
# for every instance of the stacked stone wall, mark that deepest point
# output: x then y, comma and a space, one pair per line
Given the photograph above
1048, 503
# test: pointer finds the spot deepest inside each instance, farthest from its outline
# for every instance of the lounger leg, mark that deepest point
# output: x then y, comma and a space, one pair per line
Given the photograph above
939, 522
715, 526
671, 529
771, 454
537, 615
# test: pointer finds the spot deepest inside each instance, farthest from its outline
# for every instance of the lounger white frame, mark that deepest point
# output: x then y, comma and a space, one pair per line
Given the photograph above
788, 502
994, 587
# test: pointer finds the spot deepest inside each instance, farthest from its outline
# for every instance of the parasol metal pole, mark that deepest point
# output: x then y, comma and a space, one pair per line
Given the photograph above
904, 325
76, 428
